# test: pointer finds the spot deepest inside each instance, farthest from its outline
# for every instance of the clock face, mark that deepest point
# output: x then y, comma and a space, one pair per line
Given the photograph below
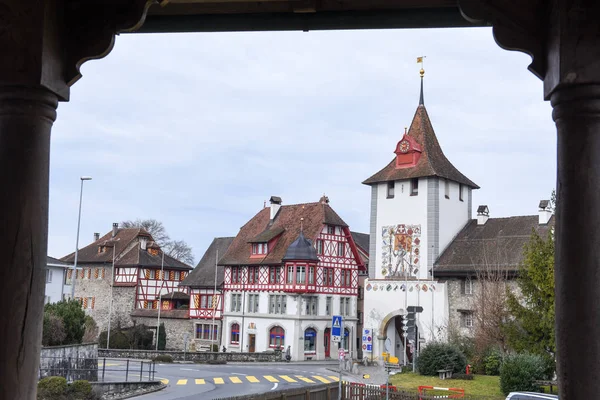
404, 146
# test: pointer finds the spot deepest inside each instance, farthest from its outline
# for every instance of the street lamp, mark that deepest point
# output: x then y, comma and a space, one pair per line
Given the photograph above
74, 277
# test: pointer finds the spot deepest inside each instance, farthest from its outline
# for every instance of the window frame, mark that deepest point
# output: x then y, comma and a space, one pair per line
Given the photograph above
391, 188
329, 305
330, 229
460, 192
320, 246
203, 334
276, 332
300, 274
341, 248
312, 342
274, 275
446, 188
414, 186
234, 333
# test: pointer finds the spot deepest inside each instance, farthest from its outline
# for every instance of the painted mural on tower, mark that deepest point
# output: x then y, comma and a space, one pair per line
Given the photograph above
401, 245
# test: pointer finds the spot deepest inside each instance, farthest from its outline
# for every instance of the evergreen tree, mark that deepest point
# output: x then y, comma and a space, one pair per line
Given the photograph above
532, 329
72, 316
162, 337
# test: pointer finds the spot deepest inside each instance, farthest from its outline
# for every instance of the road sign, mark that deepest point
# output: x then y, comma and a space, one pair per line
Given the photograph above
336, 328
367, 339
414, 309
366, 376
341, 354
369, 348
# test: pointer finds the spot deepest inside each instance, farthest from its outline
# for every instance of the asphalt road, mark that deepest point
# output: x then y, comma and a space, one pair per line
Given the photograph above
206, 382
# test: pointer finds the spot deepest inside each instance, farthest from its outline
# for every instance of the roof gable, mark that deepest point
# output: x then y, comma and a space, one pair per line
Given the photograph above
432, 161
204, 273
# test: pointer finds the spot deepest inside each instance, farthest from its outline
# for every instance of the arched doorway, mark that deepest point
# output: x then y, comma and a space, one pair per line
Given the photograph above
327, 342
391, 328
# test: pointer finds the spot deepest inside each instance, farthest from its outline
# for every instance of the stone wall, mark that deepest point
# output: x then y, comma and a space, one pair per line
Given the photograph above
268, 356
175, 328
124, 390
79, 361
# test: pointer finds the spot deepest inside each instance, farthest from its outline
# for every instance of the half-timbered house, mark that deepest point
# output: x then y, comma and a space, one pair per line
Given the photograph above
289, 269
138, 285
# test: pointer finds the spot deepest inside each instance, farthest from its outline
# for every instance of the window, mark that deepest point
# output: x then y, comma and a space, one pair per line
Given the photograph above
276, 337
312, 305
460, 192
310, 339
289, 278
346, 340
177, 276
466, 319
48, 275
414, 186
447, 188
235, 334
311, 275
346, 278
206, 301
329, 273
330, 229
390, 189
235, 274
361, 293
236, 302
47, 300
203, 331
467, 286
88, 302
274, 274
253, 302
345, 306
300, 274
328, 305
341, 249
319, 246
277, 304
253, 274
259, 248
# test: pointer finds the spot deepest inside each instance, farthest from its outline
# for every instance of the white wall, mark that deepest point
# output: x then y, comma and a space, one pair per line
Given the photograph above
454, 214
54, 288
402, 209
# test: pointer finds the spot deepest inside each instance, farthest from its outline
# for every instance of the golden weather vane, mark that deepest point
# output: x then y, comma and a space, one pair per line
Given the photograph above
420, 60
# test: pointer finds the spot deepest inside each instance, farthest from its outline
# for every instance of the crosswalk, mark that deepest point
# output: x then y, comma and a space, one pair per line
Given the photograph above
255, 379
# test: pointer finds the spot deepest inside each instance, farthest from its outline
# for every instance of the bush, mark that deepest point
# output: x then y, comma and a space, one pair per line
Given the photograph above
53, 332
165, 358
118, 339
463, 377
162, 337
215, 348
52, 387
79, 390
72, 316
436, 356
519, 371
91, 330
492, 363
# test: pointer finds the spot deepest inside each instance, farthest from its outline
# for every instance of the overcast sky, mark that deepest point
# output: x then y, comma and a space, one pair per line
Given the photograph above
198, 130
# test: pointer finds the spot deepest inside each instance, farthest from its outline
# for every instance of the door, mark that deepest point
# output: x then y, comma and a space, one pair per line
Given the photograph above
327, 341
252, 342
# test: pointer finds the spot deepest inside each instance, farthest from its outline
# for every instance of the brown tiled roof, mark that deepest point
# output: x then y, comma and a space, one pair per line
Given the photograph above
361, 240
175, 296
267, 235
288, 218
126, 252
203, 276
432, 162
496, 244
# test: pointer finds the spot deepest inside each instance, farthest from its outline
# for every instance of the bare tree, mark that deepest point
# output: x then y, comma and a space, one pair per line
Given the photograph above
177, 249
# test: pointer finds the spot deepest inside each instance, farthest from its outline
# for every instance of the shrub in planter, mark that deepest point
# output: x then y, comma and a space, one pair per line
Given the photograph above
492, 363
437, 355
519, 371
52, 387
165, 358
79, 390
215, 348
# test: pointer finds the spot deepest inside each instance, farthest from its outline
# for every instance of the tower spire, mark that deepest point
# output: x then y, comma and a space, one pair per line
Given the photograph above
422, 73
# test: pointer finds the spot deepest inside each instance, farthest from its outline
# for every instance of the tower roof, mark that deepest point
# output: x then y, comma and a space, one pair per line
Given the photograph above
432, 162
301, 249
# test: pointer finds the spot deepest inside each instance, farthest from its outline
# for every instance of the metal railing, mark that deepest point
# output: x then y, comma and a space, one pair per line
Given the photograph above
97, 369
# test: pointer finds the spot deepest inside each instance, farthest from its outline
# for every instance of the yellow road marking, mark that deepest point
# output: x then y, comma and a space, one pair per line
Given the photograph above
165, 381
334, 378
219, 381
271, 379
305, 379
235, 379
200, 382
252, 379
182, 382
320, 378
287, 378
108, 365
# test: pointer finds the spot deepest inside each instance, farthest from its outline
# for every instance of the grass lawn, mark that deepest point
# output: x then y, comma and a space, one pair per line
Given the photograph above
482, 385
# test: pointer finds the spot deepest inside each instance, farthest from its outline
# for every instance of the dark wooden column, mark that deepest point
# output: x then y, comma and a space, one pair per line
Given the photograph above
563, 38
42, 45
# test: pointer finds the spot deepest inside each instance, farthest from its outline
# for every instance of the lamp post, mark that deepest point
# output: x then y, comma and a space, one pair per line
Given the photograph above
74, 278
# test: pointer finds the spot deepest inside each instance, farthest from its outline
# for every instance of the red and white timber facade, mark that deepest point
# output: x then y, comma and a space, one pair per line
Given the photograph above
273, 300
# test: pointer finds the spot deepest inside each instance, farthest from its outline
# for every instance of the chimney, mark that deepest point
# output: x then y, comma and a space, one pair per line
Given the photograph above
143, 242
115, 229
483, 214
96, 236
545, 213
275, 205
324, 199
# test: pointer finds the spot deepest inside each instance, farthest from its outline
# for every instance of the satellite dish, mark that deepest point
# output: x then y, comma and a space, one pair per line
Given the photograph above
388, 345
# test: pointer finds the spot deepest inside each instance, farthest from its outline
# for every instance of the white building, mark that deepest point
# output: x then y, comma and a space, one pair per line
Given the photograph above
286, 273
419, 203
56, 288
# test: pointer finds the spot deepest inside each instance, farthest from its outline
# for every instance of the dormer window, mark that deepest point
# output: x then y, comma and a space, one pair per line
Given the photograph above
330, 230
259, 248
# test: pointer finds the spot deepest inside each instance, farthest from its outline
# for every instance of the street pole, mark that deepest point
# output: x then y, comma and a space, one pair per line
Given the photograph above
74, 278
404, 333
340, 378
387, 383
214, 336
416, 351
110, 301
162, 281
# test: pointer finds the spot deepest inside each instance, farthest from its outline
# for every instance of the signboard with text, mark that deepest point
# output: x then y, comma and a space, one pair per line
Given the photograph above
336, 328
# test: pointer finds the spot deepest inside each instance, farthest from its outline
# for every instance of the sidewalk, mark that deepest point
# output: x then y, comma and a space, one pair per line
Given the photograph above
377, 375
322, 362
